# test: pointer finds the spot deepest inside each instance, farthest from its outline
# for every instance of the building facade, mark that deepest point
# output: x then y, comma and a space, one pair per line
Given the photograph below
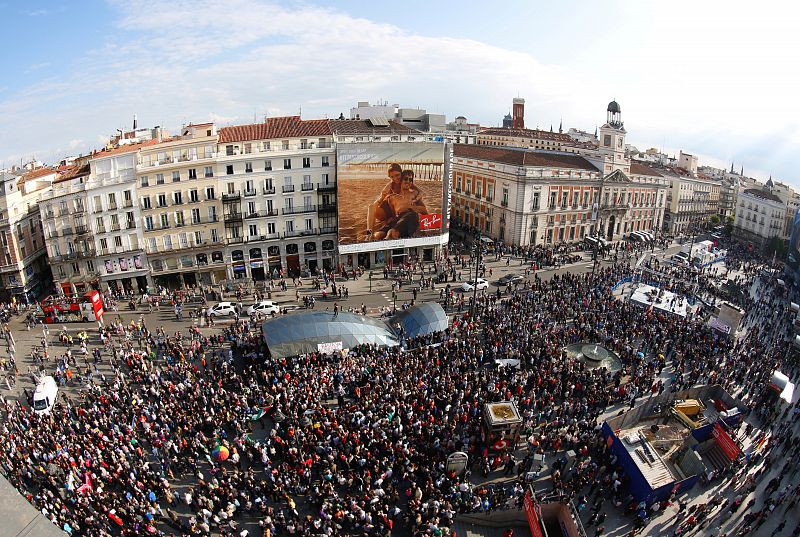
178, 193
691, 200
760, 216
24, 269
278, 185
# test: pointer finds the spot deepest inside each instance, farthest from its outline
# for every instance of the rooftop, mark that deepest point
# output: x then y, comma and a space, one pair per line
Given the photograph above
763, 194
639, 168
121, 150
523, 157
275, 127
367, 127
526, 133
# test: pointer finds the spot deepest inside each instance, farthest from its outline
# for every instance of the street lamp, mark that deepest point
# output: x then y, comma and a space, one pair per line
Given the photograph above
479, 251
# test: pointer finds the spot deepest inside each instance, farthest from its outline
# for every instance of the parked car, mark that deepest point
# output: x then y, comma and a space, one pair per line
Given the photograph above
510, 278
265, 307
223, 309
480, 283
45, 396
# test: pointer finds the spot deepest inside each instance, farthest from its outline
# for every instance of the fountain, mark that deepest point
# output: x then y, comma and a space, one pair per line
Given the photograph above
594, 355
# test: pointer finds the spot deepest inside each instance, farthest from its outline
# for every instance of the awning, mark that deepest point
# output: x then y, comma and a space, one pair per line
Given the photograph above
781, 384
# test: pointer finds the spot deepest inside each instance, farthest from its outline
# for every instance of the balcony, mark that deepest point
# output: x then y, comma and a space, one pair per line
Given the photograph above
504, 203
115, 226
249, 193
231, 197
84, 254
267, 191
307, 232
327, 207
300, 210
128, 203
66, 231
112, 206
232, 217
307, 187
326, 187
78, 211
81, 230
287, 189
327, 229
262, 213
194, 200
288, 234
234, 240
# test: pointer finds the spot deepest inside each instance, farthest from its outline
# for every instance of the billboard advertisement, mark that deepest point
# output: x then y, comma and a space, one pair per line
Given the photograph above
392, 195
793, 255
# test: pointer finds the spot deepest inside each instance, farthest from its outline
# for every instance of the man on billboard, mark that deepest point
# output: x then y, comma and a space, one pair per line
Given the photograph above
406, 206
380, 212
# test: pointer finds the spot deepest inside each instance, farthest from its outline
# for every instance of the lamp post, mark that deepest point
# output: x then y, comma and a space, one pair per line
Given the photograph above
478, 252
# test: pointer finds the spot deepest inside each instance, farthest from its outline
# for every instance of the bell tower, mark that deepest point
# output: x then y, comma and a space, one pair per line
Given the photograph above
612, 139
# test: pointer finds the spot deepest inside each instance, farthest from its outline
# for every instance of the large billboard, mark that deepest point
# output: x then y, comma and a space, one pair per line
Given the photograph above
392, 195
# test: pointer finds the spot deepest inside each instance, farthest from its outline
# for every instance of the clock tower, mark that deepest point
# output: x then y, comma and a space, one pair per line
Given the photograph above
612, 140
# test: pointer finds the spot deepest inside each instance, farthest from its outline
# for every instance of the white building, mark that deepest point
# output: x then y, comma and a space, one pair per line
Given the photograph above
760, 215
415, 118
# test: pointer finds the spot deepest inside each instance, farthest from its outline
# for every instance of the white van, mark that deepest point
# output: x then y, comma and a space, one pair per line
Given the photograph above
44, 398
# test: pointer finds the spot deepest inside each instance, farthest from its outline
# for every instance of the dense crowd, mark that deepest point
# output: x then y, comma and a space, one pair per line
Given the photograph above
356, 444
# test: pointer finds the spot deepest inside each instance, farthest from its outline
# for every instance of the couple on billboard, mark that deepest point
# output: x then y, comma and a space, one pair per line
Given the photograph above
395, 214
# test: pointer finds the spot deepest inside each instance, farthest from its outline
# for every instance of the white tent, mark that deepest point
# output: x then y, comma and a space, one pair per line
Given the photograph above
781, 384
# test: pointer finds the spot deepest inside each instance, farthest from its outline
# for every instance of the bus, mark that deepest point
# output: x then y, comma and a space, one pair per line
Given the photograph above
74, 309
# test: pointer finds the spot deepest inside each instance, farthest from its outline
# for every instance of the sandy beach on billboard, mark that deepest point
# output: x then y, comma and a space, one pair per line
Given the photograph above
355, 195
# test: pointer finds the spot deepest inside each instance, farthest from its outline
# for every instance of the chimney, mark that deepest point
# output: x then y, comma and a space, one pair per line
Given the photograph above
135, 123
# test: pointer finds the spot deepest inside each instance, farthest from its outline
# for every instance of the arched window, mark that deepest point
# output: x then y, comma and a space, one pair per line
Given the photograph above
291, 249
310, 247
273, 251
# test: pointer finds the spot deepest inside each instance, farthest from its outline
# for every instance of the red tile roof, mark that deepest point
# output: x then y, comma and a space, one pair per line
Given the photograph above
525, 133
275, 127
638, 168
38, 172
71, 172
129, 148
364, 126
522, 157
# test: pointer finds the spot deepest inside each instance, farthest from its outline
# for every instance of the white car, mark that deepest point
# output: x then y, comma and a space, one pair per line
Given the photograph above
265, 307
223, 309
471, 285
45, 396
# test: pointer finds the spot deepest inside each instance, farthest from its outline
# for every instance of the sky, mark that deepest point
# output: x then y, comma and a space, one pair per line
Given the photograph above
715, 79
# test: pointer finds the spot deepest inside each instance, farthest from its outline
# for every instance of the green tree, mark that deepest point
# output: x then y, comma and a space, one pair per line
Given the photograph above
714, 220
777, 246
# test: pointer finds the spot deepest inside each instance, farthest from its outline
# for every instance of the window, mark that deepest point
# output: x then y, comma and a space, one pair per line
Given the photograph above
210, 193
112, 201
229, 150
145, 181
148, 223
285, 144
564, 196
288, 204
179, 221
177, 198
251, 207
248, 167
193, 197
176, 176
307, 202
159, 178
168, 242
231, 188
145, 203
118, 242
208, 172
162, 200
585, 199
325, 161
607, 140
271, 228
306, 162
287, 164
214, 235
192, 173
212, 214
535, 201
164, 220
252, 230
324, 178
100, 226
290, 226
90, 265
195, 216
309, 224
267, 163
229, 169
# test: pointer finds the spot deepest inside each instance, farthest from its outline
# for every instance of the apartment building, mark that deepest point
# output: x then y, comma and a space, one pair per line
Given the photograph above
91, 221
691, 201
760, 216
278, 189
179, 197
24, 269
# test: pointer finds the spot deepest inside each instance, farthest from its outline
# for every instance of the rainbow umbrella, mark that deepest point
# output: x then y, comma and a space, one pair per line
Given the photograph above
220, 453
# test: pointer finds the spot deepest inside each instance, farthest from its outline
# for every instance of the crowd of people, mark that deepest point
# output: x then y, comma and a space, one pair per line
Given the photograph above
357, 443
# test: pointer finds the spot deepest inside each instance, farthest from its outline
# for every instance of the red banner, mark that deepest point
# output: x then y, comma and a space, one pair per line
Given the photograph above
725, 442
532, 516
430, 221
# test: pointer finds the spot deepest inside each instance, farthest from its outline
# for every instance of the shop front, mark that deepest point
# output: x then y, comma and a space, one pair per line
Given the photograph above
257, 271
292, 260
238, 266
310, 257
274, 265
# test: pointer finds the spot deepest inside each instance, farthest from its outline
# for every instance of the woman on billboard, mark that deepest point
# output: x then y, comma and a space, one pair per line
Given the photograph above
404, 207
381, 213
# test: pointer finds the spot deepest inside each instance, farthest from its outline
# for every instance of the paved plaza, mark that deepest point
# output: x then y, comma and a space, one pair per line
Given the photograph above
146, 356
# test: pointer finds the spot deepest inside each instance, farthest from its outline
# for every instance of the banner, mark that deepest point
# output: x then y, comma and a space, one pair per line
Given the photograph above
329, 348
725, 442
532, 515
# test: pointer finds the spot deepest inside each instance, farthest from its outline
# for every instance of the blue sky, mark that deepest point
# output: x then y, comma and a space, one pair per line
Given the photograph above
717, 79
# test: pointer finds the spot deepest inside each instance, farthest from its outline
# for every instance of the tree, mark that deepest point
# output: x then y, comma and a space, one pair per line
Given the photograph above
714, 220
776, 246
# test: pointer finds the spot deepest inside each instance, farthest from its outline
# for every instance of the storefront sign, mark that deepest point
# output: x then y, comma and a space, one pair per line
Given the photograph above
725, 442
